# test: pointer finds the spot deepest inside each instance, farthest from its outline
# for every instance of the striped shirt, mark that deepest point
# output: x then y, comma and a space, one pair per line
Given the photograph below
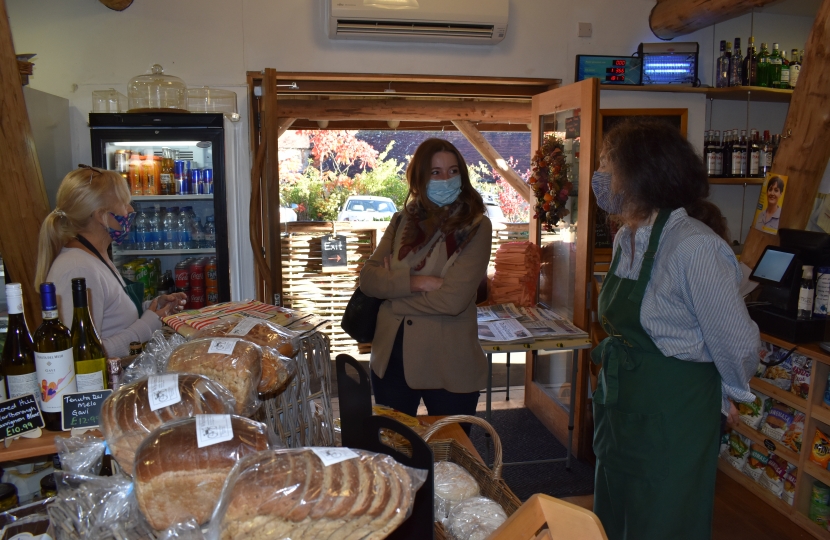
692, 309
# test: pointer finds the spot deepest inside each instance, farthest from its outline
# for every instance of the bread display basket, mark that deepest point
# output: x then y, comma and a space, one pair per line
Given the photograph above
490, 481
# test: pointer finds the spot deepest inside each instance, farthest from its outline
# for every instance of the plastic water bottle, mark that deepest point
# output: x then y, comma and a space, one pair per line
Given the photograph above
182, 230
198, 234
141, 230
168, 228
154, 223
210, 232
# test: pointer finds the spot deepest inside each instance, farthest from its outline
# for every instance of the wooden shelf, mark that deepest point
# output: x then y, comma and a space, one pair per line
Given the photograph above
755, 488
821, 413
200, 251
734, 93
822, 475
809, 526
776, 393
736, 181
42, 446
758, 438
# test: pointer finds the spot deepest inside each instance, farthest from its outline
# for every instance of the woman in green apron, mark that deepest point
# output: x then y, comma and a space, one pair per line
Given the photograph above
681, 346
93, 210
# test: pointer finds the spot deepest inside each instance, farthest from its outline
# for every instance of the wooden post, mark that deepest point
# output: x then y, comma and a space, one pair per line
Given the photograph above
23, 205
468, 129
284, 125
271, 187
804, 154
672, 18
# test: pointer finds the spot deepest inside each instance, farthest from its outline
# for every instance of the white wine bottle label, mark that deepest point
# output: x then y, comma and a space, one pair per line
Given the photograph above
20, 385
213, 429
56, 373
243, 327
163, 390
89, 382
222, 346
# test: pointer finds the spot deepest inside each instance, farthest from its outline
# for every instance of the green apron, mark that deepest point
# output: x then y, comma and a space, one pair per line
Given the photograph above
657, 423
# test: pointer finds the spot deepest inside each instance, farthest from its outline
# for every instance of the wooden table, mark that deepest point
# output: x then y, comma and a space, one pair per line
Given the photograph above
42, 446
453, 431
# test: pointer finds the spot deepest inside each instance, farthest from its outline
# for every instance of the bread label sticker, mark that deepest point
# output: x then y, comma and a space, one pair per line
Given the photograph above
244, 326
213, 429
163, 390
330, 456
222, 345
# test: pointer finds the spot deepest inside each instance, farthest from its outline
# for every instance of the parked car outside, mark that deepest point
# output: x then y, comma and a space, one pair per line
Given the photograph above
492, 209
367, 208
287, 214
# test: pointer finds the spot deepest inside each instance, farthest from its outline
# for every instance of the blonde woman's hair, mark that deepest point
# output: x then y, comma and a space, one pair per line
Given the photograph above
82, 192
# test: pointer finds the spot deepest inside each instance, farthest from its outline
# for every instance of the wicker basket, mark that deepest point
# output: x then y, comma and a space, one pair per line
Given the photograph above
490, 481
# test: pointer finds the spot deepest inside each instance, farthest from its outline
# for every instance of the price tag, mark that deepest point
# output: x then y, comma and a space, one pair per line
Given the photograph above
256, 315
83, 409
19, 415
330, 456
222, 345
243, 327
163, 390
213, 429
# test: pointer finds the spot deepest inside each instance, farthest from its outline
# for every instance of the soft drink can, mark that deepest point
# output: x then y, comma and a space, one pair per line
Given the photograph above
197, 297
182, 275
187, 173
121, 162
179, 179
142, 275
128, 271
197, 274
210, 273
207, 177
196, 182
211, 296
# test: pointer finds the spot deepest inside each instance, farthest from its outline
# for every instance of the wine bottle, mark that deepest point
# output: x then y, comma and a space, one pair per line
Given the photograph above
90, 360
18, 362
750, 65
53, 359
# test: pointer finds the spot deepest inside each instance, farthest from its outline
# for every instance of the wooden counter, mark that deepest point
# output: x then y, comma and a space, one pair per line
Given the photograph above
42, 446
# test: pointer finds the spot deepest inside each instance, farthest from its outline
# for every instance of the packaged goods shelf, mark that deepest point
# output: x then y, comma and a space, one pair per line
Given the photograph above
777, 394
754, 487
759, 438
165, 251
822, 475
733, 93
171, 197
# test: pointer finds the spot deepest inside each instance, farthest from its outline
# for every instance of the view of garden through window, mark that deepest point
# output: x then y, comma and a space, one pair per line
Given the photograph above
321, 169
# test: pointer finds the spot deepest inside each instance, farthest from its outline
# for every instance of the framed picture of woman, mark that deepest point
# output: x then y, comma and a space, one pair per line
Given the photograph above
768, 212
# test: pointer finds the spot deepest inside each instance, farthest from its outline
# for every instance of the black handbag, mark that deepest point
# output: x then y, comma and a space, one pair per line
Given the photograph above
361, 317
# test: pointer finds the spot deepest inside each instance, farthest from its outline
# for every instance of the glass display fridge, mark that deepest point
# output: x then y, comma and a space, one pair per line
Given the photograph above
174, 166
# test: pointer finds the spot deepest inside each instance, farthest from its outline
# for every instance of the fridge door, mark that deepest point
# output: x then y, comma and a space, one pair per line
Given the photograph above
134, 145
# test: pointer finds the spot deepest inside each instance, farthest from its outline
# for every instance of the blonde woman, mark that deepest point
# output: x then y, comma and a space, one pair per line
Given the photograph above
92, 211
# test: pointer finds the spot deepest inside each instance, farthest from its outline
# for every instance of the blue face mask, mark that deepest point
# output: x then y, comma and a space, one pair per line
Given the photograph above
444, 192
126, 222
601, 184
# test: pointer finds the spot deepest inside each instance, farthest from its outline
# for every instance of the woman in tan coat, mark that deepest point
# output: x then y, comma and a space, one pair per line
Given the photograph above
428, 266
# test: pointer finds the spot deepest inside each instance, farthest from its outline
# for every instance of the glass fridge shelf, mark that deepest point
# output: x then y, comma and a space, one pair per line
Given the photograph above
164, 251
171, 197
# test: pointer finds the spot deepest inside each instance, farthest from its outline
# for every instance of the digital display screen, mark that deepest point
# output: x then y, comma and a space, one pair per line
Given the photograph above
773, 265
609, 69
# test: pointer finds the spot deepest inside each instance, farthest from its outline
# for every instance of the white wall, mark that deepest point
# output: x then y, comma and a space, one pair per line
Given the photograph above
82, 46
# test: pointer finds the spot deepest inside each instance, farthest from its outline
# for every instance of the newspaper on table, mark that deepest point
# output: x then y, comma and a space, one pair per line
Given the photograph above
507, 323
506, 330
497, 312
545, 323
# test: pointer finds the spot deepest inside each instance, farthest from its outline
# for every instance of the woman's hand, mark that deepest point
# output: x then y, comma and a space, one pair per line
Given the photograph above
168, 304
425, 283
733, 418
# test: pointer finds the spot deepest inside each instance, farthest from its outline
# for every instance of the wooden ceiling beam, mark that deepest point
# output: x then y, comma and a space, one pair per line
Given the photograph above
404, 126
673, 18
504, 112
803, 155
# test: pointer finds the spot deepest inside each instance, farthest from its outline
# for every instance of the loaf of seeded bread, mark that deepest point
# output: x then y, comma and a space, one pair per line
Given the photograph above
126, 417
278, 348
238, 369
175, 479
286, 494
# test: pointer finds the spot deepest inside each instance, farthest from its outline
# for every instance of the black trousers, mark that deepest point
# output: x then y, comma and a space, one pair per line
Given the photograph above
393, 391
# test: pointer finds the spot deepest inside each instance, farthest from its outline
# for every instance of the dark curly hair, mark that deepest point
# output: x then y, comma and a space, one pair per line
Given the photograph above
655, 167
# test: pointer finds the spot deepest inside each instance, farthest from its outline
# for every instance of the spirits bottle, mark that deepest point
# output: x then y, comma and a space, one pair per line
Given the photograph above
18, 364
726, 153
765, 161
87, 351
736, 65
785, 72
750, 65
754, 151
722, 77
744, 150
53, 359
736, 157
762, 71
806, 293
718, 150
795, 68
775, 67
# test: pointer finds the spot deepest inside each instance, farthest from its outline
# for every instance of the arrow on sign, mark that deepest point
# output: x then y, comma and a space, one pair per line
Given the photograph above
335, 259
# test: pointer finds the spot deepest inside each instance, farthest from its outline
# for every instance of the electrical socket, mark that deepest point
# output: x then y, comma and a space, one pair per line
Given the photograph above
586, 29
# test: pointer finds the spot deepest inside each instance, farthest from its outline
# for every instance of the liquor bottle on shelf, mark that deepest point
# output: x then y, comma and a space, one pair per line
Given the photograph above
718, 151
806, 294
166, 176
726, 154
18, 364
775, 64
709, 153
736, 65
765, 160
750, 64
762, 71
795, 68
53, 359
735, 155
87, 351
785, 72
722, 78
754, 153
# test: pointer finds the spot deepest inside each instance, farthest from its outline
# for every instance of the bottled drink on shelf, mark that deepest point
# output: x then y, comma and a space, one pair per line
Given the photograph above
135, 174
168, 228
87, 350
794, 68
744, 149
750, 64
198, 234
166, 176
754, 152
726, 154
18, 364
736, 65
183, 230
765, 162
735, 155
709, 153
775, 65
148, 174
154, 227
210, 232
142, 229
762, 72
785, 72
121, 164
718, 151
53, 359
167, 285
179, 180
722, 77
806, 293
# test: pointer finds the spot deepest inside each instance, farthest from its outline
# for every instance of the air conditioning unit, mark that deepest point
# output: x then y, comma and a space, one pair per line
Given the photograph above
446, 21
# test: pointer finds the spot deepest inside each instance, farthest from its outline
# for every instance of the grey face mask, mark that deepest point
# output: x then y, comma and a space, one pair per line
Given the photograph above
601, 184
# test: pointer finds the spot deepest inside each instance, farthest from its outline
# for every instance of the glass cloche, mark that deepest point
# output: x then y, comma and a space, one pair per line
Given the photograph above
157, 92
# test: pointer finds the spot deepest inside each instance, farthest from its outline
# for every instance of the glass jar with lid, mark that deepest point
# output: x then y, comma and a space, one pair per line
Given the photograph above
157, 92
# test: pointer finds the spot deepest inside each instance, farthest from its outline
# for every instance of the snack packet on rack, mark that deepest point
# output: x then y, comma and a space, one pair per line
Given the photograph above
754, 412
820, 450
788, 494
778, 372
778, 421
802, 369
738, 450
756, 461
795, 432
773, 476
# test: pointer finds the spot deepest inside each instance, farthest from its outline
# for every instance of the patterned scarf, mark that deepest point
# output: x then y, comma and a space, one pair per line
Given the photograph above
421, 226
